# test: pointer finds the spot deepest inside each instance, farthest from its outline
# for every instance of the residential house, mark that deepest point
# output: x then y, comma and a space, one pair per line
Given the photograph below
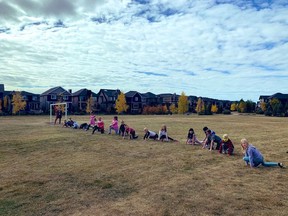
80, 99
32, 102
149, 99
1, 92
106, 100
55, 95
134, 101
168, 99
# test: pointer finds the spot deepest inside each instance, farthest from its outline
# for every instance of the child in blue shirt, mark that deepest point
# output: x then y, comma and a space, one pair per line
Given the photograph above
254, 158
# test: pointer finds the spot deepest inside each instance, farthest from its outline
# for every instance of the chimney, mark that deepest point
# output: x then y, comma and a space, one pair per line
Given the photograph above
70, 91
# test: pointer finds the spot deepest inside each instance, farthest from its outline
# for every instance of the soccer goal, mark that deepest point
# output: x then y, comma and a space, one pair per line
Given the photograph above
52, 106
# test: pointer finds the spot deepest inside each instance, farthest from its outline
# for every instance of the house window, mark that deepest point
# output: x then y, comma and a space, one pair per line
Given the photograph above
65, 97
34, 98
135, 106
136, 99
53, 97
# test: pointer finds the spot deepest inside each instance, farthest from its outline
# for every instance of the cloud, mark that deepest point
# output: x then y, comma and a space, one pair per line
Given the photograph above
211, 48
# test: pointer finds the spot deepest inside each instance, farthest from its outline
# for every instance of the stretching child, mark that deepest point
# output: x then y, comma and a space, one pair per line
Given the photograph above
150, 134
226, 146
163, 135
254, 158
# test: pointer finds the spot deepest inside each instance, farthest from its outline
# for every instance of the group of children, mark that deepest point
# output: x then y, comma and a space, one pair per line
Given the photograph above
223, 145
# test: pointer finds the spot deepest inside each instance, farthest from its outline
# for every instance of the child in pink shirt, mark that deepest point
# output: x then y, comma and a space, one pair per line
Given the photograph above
114, 125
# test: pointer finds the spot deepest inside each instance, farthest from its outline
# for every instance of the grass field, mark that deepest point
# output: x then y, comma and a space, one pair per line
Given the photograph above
50, 170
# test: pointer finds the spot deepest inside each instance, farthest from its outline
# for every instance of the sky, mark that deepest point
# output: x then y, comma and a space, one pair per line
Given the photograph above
222, 49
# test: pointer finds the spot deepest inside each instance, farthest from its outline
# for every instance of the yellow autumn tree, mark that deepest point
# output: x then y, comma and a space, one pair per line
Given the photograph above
183, 103
121, 105
242, 106
233, 107
214, 108
263, 106
18, 102
5, 105
90, 103
173, 109
200, 108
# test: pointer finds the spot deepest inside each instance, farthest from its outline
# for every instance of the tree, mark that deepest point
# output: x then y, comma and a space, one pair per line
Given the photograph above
5, 105
121, 105
200, 108
214, 108
89, 105
242, 106
276, 106
183, 103
263, 106
233, 107
17, 102
173, 109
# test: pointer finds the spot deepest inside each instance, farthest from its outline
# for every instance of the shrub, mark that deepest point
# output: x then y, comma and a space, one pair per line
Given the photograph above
226, 112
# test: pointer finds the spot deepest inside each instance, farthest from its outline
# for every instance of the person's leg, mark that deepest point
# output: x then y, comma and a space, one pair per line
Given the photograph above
270, 164
60, 120
94, 129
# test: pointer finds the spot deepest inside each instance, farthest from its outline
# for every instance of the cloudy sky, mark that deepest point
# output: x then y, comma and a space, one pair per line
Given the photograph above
224, 49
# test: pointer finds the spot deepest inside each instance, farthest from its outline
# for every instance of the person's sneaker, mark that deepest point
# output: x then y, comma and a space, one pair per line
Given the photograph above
281, 165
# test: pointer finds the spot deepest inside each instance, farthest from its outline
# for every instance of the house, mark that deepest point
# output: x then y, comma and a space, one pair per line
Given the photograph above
149, 99
32, 102
55, 95
80, 98
106, 99
1, 92
134, 101
168, 99
283, 98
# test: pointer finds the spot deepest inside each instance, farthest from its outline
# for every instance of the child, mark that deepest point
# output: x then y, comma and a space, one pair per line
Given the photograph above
99, 126
122, 129
149, 134
210, 139
163, 135
114, 125
131, 132
191, 138
92, 121
226, 146
254, 158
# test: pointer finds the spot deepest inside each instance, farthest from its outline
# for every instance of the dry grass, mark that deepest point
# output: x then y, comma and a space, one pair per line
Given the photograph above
50, 170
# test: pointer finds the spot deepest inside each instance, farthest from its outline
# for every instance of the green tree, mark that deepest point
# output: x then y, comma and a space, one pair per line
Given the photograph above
183, 103
121, 105
18, 102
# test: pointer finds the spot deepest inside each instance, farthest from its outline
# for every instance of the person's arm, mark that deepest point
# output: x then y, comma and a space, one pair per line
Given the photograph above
146, 135
251, 157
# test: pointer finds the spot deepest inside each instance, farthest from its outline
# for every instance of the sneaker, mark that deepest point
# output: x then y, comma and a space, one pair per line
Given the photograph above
281, 165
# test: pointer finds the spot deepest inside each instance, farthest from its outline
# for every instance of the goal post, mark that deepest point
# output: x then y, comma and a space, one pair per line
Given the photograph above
51, 110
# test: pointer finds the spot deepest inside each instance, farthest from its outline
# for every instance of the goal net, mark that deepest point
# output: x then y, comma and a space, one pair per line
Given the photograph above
56, 105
